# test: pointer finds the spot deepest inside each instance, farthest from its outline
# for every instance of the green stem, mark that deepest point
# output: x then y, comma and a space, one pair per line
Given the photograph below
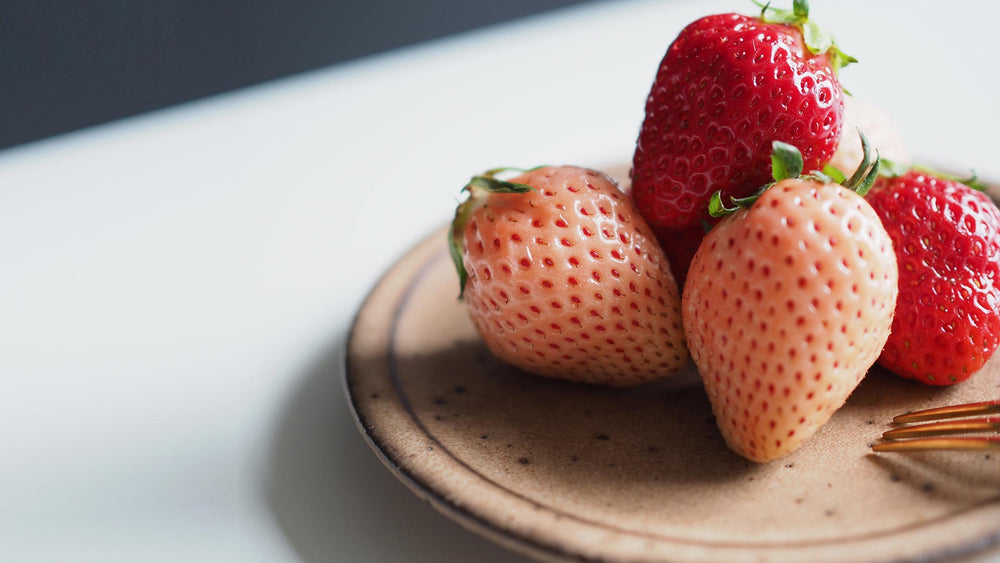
479, 187
817, 39
866, 174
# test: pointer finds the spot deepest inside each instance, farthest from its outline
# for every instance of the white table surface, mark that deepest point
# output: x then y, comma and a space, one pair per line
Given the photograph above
176, 288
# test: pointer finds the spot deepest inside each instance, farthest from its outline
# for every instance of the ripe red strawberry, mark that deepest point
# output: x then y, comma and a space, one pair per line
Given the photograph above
563, 278
787, 305
947, 240
679, 245
729, 86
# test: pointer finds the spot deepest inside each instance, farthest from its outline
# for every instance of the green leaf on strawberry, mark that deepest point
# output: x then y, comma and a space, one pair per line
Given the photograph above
835, 174
863, 178
972, 180
817, 39
786, 163
893, 169
561, 277
478, 186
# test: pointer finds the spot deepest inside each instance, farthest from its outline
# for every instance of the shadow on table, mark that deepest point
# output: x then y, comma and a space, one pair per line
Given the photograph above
335, 501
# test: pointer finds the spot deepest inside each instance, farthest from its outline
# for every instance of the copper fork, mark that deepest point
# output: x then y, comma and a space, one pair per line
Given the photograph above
956, 427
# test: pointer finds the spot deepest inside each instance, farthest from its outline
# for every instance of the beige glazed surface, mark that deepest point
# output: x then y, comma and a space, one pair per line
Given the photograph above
564, 471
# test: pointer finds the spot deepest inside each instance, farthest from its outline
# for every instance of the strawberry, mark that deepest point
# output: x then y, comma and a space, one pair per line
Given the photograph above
728, 86
787, 304
563, 278
879, 129
947, 240
680, 245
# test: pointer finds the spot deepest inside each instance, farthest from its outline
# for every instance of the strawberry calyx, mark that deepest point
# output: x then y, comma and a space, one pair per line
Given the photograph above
817, 40
787, 163
892, 169
866, 174
479, 188
971, 181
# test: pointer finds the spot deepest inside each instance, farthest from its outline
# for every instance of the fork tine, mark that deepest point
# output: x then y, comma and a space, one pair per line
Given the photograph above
926, 444
989, 424
944, 433
954, 411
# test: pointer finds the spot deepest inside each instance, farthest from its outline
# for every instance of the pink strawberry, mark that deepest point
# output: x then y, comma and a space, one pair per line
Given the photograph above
947, 240
563, 278
880, 130
729, 86
787, 305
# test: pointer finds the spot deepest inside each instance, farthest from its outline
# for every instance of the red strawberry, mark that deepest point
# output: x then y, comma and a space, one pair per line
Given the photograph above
729, 86
680, 245
563, 278
787, 305
947, 239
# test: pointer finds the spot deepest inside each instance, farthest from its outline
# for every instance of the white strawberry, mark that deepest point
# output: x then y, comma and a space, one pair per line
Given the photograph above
787, 304
565, 279
878, 128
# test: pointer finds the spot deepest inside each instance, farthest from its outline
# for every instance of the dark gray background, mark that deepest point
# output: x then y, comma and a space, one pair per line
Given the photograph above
71, 64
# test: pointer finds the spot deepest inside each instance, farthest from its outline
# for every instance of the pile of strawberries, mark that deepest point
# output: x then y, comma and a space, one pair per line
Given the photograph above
763, 238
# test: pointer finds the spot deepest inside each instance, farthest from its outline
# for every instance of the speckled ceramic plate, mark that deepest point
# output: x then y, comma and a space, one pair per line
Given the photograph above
564, 471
